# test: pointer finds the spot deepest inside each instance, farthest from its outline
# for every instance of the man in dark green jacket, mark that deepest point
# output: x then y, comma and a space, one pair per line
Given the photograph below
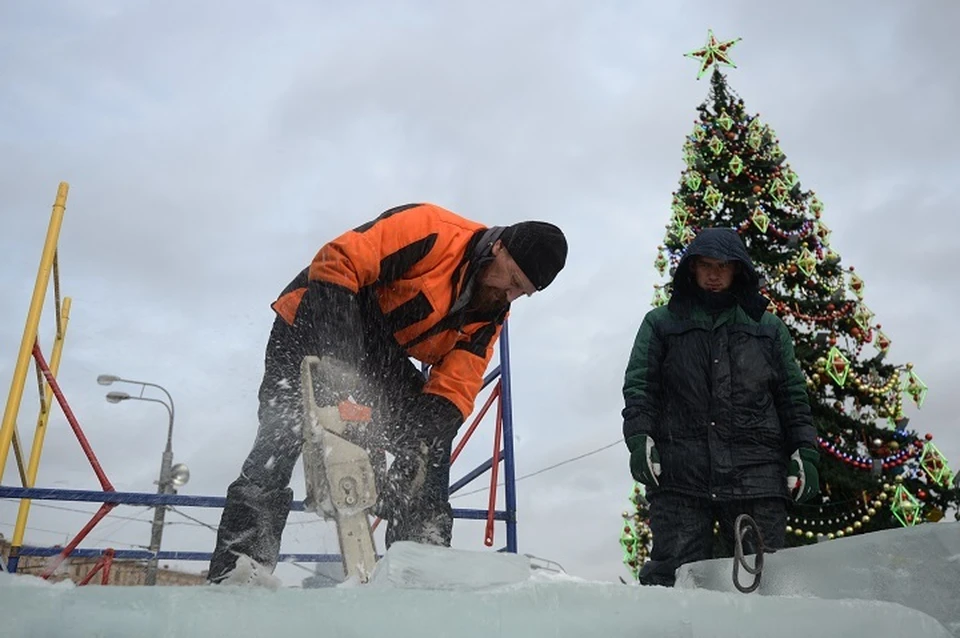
716, 416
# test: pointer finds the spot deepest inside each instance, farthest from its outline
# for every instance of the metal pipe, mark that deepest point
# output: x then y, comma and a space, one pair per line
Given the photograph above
33, 465
29, 337
164, 484
509, 470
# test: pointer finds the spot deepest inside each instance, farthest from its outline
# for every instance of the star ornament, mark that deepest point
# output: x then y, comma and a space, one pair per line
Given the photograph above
713, 52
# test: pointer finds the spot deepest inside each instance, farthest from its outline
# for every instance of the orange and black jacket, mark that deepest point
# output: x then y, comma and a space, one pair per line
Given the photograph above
413, 264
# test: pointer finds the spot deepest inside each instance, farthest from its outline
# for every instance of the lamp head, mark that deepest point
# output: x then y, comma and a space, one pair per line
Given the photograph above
179, 475
107, 379
117, 397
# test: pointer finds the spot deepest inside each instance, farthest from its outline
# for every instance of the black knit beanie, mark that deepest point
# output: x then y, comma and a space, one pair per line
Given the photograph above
539, 248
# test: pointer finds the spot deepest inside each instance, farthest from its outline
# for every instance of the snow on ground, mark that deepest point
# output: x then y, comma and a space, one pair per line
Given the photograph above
423, 591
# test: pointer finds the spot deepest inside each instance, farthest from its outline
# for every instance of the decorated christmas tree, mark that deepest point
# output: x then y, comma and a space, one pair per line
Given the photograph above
636, 539
875, 471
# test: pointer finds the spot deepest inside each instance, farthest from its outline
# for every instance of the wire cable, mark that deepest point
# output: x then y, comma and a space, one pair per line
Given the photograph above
546, 469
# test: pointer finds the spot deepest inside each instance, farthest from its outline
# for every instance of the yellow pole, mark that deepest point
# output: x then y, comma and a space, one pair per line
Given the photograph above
42, 419
18, 452
30, 329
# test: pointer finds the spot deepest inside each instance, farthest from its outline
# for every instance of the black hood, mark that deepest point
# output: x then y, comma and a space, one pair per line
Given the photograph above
724, 244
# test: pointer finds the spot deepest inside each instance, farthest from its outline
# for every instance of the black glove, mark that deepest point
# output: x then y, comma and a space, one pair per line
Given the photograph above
424, 427
425, 418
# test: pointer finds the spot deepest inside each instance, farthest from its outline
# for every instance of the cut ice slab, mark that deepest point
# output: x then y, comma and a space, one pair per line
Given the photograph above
417, 566
918, 567
434, 601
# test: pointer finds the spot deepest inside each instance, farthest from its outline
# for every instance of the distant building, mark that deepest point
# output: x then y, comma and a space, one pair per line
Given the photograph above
123, 572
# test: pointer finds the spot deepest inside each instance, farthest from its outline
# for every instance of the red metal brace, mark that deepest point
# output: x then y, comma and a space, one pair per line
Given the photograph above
494, 472
103, 566
88, 451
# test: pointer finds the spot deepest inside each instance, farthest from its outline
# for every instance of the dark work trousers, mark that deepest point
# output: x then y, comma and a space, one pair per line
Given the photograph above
682, 528
415, 491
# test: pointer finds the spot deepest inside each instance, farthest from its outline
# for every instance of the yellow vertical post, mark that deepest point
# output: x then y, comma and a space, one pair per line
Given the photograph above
42, 419
30, 329
17, 452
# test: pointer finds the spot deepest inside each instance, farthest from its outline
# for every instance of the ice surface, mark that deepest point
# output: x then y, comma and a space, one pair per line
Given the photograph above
415, 566
917, 567
424, 592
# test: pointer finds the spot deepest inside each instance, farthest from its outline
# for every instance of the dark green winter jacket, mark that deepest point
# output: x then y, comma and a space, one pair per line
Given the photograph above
720, 392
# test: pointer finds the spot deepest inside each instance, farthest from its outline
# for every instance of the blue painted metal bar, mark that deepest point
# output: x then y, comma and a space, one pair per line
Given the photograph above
126, 498
490, 378
142, 554
475, 514
509, 470
140, 498
509, 514
472, 474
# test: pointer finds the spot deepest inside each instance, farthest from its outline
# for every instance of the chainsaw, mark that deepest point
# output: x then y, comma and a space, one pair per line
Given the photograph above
339, 476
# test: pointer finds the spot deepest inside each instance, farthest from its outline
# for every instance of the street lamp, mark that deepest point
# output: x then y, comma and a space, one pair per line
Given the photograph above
171, 476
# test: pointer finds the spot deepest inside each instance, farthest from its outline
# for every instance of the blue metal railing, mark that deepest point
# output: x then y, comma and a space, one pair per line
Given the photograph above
508, 514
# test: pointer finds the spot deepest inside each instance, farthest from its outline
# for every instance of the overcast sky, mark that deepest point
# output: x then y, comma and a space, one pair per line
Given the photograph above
211, 148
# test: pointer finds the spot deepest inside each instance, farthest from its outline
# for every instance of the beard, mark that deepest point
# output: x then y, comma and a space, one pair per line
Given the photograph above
488, 299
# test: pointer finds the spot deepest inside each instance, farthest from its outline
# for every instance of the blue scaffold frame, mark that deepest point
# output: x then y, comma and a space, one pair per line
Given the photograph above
501, 375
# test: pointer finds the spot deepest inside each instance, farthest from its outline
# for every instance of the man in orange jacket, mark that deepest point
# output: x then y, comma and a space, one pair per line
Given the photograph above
418, 281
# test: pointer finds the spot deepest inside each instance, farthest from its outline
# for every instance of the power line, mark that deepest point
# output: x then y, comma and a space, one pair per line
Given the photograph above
80, 511
58, 532
196, 521
548, 468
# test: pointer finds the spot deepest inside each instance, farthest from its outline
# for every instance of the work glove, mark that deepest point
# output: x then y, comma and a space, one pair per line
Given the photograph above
426, 418
422, 435
803, 479
403, 482
644, 460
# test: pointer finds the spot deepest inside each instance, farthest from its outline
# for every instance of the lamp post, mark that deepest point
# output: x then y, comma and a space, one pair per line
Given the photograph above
171, 476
